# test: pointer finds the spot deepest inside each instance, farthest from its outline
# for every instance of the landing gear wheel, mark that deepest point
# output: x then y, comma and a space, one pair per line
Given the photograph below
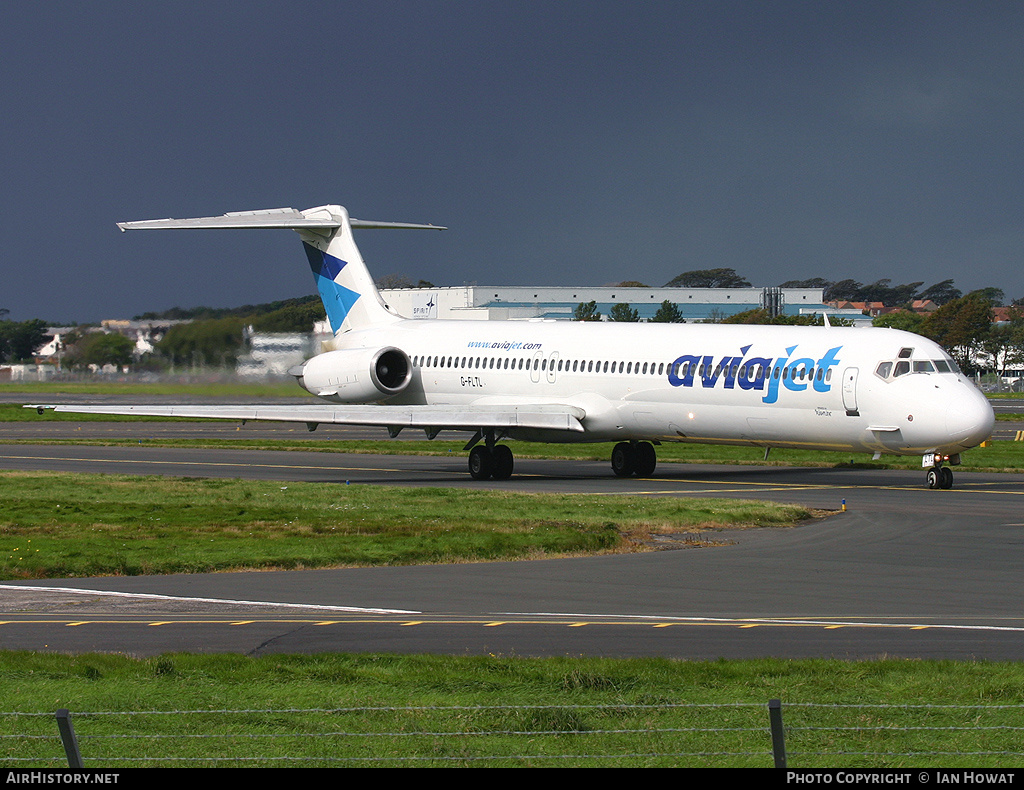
940, 477
481, 463
623, 459
646, 459
502, 462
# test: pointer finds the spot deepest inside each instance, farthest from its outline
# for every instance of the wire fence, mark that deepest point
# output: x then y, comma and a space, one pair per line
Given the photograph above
794, 735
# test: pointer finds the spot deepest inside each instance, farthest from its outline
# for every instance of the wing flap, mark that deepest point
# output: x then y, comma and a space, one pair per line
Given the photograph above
470, 418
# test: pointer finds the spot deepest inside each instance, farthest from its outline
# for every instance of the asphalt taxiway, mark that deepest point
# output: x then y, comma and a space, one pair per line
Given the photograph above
903, 571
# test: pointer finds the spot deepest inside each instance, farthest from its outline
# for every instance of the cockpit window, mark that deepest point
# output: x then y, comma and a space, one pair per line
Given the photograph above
889, 369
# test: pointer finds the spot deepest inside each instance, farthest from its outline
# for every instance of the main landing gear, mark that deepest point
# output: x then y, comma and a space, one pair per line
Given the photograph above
634, 458
939, 476
494, 462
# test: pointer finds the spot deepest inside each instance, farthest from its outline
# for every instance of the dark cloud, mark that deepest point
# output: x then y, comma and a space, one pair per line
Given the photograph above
576, 142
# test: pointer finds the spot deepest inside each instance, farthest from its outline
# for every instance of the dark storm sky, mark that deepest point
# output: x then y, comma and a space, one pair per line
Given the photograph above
562, 143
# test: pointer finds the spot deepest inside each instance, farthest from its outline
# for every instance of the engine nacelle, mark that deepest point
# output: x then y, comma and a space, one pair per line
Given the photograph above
356, 375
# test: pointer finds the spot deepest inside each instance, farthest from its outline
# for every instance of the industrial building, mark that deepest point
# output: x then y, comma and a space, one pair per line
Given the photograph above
513, 302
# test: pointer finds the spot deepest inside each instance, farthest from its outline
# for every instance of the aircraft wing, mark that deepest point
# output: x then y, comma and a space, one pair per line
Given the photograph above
557, 417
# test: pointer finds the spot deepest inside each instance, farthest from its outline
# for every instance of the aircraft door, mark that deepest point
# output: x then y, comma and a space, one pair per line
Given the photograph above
850, 392
535, 364
552, 363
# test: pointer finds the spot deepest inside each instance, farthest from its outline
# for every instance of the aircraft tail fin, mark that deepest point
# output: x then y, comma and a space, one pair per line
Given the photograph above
348, 292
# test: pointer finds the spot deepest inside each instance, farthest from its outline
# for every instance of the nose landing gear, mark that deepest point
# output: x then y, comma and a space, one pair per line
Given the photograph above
939, 476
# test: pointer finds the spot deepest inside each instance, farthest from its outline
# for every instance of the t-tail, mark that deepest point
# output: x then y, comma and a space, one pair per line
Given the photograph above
342, 279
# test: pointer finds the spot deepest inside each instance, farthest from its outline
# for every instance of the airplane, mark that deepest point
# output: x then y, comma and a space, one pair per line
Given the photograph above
864, 390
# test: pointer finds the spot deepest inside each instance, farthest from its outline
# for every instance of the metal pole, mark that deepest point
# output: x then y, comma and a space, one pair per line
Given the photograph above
67, 737
778, 736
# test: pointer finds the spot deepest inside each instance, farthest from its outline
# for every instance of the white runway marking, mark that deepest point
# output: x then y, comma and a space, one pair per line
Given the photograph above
148, 596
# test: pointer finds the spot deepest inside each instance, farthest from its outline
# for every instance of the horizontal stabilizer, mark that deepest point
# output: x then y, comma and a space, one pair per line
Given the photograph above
466, 418
275, 218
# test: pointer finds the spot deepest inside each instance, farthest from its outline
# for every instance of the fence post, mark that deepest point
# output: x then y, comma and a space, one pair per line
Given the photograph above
778, 737
67, 737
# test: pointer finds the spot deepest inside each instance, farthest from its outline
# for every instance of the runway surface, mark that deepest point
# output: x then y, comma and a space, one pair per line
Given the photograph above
905, 571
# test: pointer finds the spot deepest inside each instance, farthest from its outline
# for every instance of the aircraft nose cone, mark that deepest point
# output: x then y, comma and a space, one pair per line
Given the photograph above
970, 419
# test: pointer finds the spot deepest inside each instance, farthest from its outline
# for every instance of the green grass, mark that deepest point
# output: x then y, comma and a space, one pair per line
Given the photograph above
387, 710
57, 525
262, 389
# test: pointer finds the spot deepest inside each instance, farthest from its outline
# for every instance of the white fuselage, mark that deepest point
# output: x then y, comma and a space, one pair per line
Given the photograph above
826, 388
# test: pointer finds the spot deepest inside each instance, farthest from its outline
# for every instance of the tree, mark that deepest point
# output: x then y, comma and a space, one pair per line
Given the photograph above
631, 284
294, 318
1005, 345
100, 348
940, 293
586, 311
892, 295
204, 342
814, 282
762, 316
624, 313
992, 294
961, 327
390, 281
708, 278
668, 313
843, 290
900, 319
20, 339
